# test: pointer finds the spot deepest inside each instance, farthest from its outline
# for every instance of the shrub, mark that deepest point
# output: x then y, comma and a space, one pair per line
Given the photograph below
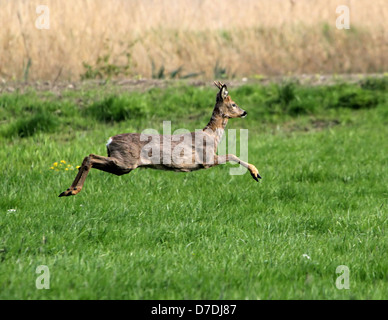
357, 100
41, 122
115, 109
380, 84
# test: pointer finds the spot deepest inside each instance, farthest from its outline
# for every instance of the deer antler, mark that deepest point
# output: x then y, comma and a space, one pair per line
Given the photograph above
218, 84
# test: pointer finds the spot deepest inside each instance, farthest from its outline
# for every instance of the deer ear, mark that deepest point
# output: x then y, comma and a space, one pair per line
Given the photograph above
224, 92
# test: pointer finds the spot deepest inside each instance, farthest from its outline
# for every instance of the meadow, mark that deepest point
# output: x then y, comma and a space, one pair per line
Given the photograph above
209, 39
322, 202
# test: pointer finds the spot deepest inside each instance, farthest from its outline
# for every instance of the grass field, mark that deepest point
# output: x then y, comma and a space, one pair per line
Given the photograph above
322, 203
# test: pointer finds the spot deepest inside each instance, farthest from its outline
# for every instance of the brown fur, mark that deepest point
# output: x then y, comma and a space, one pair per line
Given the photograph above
126, 152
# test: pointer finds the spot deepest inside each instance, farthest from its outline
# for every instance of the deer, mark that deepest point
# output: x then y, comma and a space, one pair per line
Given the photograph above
181, 153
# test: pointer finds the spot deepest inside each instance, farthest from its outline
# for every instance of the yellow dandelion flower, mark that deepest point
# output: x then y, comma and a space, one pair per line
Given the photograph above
55, 164
69, 165
63, 161
67, 169
52, 168
78, 167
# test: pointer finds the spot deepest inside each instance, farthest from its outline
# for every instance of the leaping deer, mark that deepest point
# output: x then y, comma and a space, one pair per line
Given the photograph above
129, 151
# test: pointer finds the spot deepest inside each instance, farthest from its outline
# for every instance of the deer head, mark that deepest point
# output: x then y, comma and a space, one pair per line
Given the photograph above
226, 106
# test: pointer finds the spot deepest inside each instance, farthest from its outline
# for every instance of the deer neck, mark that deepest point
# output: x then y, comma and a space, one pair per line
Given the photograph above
216, 125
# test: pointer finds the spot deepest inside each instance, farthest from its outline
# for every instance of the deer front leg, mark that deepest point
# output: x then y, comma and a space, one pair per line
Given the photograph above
231, 157
106, 164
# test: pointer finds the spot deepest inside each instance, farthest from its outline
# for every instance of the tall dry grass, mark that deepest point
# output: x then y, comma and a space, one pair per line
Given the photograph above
241, 38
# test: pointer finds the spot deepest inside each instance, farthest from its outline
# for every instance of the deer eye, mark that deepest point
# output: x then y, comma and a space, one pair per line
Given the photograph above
234, 105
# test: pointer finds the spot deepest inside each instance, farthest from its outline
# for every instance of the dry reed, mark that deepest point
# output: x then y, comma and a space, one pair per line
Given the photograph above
242, 38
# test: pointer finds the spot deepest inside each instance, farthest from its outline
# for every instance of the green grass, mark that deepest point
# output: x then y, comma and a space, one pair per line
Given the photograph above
322, 202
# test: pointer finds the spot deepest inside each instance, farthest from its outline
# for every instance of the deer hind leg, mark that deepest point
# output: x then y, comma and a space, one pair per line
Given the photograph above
107, 164
231, 157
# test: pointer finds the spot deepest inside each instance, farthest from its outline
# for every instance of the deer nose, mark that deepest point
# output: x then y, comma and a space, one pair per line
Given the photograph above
244, 114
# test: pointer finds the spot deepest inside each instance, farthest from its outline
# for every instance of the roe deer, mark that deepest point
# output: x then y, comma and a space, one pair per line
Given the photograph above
129, 151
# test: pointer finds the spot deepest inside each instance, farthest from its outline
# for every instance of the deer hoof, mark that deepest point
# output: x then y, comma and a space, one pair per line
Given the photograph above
69, 192
255, 174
